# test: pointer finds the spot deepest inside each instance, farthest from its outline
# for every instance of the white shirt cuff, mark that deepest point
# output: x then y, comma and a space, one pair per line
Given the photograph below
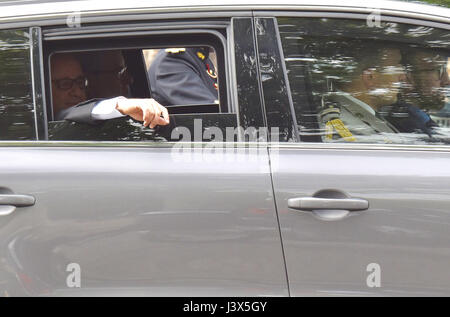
106, 109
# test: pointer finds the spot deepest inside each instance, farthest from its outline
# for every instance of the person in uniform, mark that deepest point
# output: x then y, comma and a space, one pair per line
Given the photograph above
182, 76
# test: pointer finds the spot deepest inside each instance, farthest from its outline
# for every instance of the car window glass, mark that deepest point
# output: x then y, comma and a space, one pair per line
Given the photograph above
355, 82
16, 96
184, 80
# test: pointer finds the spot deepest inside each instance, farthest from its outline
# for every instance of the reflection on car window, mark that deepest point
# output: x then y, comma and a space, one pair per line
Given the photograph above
16, 103
367, 84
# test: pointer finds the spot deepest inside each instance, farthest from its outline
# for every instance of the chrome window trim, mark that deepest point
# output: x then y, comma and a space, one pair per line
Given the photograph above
121, 16
349, 10
357, 16
199, 145
126, 33
197, 11
361, 147
49, 33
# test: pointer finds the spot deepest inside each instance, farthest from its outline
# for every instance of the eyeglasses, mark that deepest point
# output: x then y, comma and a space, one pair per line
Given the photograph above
440, 70
67, 83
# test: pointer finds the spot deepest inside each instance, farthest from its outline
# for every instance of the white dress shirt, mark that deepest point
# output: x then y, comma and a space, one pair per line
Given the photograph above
106, 109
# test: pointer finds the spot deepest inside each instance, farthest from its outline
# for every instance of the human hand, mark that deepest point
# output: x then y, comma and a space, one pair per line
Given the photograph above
147, 110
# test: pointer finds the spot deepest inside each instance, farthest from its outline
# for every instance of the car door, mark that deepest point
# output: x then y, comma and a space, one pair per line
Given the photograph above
362, 216
142, 218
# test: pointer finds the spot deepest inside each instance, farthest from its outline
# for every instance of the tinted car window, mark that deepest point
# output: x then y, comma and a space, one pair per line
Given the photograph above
16, 103
127, 72
355, 82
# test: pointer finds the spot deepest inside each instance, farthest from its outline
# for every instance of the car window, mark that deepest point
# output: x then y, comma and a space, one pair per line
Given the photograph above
351, 81
16, 96
184, 79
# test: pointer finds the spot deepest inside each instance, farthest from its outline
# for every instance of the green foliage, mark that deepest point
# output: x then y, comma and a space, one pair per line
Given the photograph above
444, 3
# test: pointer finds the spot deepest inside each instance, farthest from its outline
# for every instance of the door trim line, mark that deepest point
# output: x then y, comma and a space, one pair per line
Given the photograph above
194, 145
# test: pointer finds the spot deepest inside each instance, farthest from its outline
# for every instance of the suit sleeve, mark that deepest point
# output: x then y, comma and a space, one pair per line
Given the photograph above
179, 83
81, 113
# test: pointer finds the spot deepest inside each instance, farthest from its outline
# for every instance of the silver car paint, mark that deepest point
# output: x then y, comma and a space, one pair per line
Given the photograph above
140, 221
405, 230
88, 220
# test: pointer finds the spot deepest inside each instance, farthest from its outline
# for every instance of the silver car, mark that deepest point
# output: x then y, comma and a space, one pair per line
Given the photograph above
323, 167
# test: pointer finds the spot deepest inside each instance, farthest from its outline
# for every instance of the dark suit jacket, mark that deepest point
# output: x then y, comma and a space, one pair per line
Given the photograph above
408, 118
182, 78
81, 112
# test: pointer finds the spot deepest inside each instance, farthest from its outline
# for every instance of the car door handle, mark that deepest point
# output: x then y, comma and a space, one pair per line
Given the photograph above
314, 203
9, 202
329, 204
17, 200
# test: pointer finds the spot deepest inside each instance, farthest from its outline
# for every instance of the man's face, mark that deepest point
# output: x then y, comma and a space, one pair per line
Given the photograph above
427, 76
110, 78
68, 87
384, 81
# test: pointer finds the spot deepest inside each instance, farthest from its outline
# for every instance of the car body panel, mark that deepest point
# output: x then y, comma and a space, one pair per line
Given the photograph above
147, 221
404, 231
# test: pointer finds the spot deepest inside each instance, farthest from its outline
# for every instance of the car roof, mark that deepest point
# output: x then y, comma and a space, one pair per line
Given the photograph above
29, 9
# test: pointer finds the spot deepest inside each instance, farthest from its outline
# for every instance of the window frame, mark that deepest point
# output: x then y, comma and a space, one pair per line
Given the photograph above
146, 28
249, 113
127, 33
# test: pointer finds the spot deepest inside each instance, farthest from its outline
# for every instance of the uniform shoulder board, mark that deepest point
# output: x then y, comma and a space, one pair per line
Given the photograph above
175, 50
201, 56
